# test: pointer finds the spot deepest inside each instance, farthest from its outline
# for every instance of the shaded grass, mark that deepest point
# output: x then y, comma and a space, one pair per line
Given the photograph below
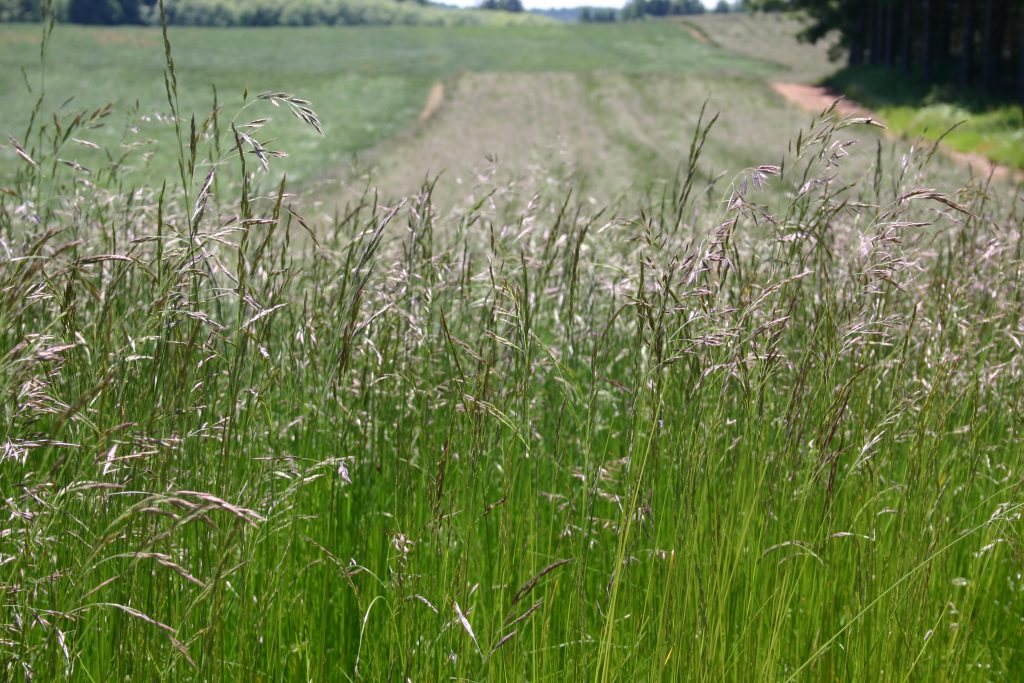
966, 121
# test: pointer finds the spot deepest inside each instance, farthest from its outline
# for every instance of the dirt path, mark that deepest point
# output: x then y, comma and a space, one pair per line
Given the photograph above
696, 33
815, 99
435, 98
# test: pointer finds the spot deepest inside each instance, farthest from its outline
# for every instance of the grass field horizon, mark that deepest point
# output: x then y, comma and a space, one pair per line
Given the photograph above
371, 84
660, 379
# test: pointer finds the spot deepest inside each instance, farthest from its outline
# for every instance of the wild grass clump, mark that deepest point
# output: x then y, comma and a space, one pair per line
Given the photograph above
777, 439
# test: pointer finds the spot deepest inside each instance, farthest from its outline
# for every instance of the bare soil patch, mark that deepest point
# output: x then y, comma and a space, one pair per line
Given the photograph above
10, 36
815, 98
120, 36
435, 98
696, 33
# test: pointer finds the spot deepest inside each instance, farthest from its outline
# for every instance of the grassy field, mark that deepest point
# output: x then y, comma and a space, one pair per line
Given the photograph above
367, 83
770, 38
667, 398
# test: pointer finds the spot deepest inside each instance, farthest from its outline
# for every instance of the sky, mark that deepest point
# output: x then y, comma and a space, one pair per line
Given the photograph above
547, 4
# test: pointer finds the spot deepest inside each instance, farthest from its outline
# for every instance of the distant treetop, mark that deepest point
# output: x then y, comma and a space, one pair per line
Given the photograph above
637, 9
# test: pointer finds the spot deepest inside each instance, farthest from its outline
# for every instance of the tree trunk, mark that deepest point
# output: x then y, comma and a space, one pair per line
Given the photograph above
890, 56
858, 37
1020, 56
988, 48
967, 45
880, 32
874, 21
1002, 47
907, 37
928, 50
944, 35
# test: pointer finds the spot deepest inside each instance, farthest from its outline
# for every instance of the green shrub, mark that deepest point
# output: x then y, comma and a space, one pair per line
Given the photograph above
19, 10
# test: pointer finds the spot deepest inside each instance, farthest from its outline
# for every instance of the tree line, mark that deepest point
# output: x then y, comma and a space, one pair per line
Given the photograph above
316, 12
637, 9
976, 44
641, 9
264, 12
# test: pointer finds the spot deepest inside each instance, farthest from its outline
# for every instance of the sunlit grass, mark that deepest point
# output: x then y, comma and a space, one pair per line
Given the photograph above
997, 133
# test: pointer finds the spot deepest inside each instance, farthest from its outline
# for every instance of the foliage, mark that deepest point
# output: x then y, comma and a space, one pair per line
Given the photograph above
767, 5
638, 9
598, 15
19, 10
104, 11
502, 5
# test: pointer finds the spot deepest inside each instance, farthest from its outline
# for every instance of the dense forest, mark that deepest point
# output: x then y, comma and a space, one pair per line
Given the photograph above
969, 43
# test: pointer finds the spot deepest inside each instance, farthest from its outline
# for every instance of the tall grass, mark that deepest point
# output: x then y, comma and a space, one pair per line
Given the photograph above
772, 437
